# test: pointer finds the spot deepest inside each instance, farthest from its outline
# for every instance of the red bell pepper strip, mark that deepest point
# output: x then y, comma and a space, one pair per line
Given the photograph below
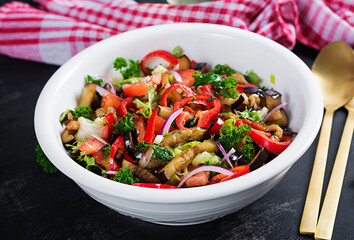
91, 146
117, 145
181, 120
150, 129
108, 122
168, 57
155, 185
252, 124
124, 104
205, 117
189, 92
238, 171
240, 87
263, 140
129, 159
215, 128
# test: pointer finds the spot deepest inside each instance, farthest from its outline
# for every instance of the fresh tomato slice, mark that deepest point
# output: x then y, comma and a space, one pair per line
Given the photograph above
215, 128
100, 159
91, 146
189, 92
155, 185
186, 75
168, 57
107, 130
141, 88
159, 122
125, 103
111, 100
140, 126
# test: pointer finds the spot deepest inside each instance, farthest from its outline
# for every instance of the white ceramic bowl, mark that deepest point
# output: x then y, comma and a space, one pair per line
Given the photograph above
214, 44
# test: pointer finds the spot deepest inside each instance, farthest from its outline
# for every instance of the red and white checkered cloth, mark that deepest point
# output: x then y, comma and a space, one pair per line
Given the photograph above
59, 29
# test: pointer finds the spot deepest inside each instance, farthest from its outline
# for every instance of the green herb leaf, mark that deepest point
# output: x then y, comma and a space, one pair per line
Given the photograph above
253, 78
74, 147
82, 111
126, 123
177, 51
89, 79
225, 86
125, 176
164, 154
146, 108
230, 135
223, 70
42, 160
121, 64
253, 115
224, 114
90, 161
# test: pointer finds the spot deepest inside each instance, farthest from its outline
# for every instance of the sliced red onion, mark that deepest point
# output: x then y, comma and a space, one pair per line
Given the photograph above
166, 126
102, 91
282, 105
145, 159
158, 139
232, 151
235, 111
224, 153
111, 172
107, 81
100, 139
210, 168
176, 76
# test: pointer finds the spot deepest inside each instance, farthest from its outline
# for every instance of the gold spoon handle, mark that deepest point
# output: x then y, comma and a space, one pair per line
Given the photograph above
313, 198
329, 209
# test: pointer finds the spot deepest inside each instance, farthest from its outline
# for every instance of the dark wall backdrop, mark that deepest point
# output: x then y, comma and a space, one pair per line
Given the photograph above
35, 205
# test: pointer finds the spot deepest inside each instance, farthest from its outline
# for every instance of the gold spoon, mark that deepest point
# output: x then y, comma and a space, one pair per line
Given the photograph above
333, 68
329, 209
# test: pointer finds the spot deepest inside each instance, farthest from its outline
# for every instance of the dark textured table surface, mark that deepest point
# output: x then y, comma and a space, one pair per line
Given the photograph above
35, 205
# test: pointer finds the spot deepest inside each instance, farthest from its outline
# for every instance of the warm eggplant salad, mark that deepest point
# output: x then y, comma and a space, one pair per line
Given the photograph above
181, 123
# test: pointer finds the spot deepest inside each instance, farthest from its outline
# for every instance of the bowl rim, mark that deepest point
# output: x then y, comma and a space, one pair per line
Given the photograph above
97, 183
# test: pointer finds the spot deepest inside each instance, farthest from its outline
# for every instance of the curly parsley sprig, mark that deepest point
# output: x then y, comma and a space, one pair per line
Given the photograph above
164, 154
42, 160
126, 123
121, 64
226, 87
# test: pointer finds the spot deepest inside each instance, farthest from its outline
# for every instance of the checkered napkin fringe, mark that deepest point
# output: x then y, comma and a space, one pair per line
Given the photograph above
59, 29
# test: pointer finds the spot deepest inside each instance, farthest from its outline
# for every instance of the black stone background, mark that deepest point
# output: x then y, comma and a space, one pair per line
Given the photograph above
35, 205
